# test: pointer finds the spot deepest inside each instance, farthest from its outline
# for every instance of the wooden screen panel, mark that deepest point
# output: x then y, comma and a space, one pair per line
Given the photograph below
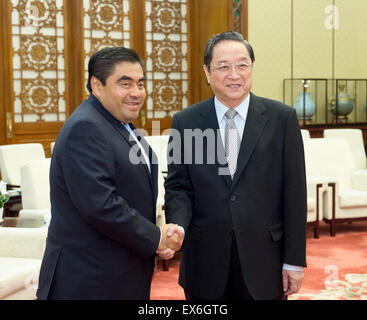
238, 16
166, 59
105, 24
38, 61
34, 49
5, 71
207, 18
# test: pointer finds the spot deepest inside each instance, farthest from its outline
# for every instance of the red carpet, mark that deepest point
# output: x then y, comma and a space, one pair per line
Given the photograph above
165, 283
337, 267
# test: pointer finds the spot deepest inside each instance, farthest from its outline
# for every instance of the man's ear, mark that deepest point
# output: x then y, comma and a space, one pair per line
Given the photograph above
95, 85
207, 74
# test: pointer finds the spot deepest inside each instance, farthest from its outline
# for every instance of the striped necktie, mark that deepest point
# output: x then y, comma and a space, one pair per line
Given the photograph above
232, 141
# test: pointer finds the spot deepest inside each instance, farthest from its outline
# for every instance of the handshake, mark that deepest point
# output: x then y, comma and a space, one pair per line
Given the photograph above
171, 241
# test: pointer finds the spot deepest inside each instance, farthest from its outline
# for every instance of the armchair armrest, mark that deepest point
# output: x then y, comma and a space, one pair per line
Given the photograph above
322, 179
23, 242
359, 180
34, 213
161, 217
329, 200
313, 181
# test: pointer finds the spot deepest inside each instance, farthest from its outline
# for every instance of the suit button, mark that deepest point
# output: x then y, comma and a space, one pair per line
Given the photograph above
233, 197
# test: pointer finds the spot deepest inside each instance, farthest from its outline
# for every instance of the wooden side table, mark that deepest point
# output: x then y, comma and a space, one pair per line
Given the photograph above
13, 206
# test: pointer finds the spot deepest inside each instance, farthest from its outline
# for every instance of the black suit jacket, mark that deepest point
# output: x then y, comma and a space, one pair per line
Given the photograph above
264, 206
102, 236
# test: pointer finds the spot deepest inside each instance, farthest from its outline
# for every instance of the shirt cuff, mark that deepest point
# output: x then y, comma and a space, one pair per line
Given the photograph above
183, 232
160, 239
291, 267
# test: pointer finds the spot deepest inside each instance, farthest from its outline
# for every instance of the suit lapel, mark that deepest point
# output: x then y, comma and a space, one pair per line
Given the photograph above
143, 143
210, 121
255, 123
153, 173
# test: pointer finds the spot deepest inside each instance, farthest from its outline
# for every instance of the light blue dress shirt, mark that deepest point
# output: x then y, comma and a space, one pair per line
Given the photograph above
128, 128
239, 119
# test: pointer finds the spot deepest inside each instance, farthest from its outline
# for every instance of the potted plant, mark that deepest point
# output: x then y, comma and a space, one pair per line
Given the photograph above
3, 199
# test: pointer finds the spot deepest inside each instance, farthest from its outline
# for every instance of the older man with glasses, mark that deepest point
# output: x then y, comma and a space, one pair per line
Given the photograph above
244, 218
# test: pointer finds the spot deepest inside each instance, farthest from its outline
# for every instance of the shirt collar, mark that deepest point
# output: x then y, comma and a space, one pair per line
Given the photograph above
242, 108
126, 125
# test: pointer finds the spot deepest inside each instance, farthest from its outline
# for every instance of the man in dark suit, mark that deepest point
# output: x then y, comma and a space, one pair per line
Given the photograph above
243, 210
102, 237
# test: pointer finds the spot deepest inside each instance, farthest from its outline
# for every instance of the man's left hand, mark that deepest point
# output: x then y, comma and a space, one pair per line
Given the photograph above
292, 281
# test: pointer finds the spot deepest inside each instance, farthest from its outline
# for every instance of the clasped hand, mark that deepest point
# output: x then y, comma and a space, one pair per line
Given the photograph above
171, 241
292, 281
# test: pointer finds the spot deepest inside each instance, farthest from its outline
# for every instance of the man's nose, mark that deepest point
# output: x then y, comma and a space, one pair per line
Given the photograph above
135, 90
233, 71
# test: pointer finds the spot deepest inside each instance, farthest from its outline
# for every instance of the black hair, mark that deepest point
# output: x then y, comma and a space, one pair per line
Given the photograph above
103, 62
228, 35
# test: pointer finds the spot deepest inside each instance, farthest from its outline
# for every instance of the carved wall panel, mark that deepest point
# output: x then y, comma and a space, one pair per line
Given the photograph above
166, 57
106, 24
38, 60
237, 7
238, 18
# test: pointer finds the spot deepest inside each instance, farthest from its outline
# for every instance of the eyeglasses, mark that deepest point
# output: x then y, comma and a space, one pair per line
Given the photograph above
225, 67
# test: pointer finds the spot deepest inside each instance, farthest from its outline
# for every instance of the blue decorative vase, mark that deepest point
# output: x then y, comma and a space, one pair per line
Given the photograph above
305, 107
345, 104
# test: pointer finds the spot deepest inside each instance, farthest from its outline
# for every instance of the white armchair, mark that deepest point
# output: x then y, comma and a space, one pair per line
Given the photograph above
316, 185
161, 217
35, 187
355, 139
332, 162
13, 156
315, 189
159, 145
305, 134
52, 144
21, 252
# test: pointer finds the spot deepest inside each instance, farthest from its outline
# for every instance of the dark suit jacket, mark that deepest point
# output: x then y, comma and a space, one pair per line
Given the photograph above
264, 206
102, 236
